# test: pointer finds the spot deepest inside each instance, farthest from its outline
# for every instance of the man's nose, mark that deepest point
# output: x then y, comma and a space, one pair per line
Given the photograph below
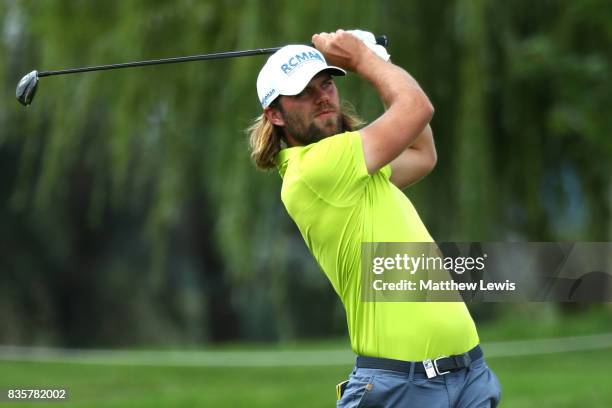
321, 96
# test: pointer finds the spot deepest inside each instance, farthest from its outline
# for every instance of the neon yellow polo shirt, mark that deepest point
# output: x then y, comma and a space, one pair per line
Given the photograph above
337, 205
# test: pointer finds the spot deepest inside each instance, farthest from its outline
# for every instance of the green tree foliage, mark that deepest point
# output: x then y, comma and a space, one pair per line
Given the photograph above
130, 212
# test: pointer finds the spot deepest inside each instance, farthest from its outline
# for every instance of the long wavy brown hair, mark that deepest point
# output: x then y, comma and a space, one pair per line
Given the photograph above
265, 138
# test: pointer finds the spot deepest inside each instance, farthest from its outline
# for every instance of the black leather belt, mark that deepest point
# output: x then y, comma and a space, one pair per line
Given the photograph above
431, 367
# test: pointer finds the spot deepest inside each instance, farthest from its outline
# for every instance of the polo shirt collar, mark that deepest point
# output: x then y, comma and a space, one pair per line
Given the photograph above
284, 156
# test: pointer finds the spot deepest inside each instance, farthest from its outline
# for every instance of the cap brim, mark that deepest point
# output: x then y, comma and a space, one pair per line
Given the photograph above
298, 86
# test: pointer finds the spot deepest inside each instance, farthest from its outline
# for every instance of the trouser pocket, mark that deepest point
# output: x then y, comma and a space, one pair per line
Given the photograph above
353, 393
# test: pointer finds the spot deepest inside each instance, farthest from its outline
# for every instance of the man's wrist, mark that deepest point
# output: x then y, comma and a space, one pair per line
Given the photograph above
368, 62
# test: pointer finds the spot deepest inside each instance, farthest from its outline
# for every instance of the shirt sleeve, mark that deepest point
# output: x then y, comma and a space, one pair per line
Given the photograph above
334, 168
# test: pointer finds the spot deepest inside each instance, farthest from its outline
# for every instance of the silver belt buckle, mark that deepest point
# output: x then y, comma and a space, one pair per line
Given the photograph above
435, 364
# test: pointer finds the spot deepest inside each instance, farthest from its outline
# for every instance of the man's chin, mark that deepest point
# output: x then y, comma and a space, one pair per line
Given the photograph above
329, 127
318, 132
325, 133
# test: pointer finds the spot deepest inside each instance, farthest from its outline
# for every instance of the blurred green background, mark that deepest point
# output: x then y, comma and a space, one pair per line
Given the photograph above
131, 216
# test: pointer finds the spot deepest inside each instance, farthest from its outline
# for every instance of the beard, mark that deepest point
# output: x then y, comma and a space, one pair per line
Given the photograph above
307, 133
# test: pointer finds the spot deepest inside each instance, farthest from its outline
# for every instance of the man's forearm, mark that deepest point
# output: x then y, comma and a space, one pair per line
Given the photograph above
393, 83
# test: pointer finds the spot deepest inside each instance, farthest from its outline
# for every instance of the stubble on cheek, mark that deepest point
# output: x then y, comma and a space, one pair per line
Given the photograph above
308, 129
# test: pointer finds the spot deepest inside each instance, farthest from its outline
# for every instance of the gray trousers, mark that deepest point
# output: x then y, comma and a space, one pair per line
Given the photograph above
475, 386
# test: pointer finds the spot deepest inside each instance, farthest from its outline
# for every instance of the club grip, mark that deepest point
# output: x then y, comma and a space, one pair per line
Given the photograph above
382, 40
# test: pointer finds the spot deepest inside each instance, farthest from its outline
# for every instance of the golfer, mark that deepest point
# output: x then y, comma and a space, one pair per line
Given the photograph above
341, 186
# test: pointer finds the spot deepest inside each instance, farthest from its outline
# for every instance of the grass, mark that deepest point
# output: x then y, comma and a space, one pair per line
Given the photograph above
556, 380
551, 380
541, 320
572, 379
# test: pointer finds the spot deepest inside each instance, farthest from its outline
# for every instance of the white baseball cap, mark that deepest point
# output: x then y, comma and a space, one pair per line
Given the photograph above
288, 71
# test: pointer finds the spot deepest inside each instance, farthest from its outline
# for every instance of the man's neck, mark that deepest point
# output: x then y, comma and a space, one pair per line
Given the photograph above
291, 142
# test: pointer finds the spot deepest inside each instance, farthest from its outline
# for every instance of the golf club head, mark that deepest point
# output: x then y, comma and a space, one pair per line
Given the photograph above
26, 88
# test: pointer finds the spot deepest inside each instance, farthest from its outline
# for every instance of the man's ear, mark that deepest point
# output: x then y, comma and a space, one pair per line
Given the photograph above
274, 115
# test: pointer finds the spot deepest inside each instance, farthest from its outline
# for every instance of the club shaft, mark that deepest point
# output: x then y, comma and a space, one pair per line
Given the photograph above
219, 55
382, 40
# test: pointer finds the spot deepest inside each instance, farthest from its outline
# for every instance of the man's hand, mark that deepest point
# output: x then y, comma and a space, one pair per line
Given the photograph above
342, 49
370, 41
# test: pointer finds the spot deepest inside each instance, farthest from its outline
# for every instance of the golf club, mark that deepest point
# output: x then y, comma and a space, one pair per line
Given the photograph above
26, 88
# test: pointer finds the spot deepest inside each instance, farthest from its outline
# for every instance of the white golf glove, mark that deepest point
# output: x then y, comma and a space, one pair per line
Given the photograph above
369, 40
